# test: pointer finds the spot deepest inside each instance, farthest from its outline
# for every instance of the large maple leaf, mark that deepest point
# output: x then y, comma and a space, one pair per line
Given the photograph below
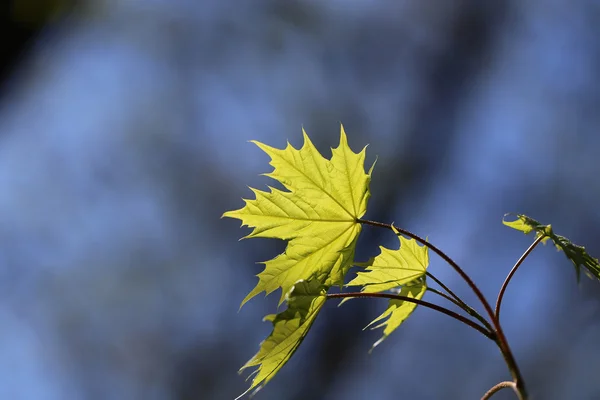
317, 214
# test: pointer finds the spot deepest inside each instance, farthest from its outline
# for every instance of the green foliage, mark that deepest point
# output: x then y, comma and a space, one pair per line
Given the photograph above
398, 310
289, 329
317, 215
526, 224
393, 268
577, 254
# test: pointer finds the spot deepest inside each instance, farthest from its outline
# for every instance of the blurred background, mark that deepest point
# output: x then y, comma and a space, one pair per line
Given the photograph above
124, 129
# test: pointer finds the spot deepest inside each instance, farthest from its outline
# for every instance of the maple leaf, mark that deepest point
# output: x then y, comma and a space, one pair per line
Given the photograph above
404, 267
317, 214
399, 310
290, 327
393, 268
577, 254
527, 225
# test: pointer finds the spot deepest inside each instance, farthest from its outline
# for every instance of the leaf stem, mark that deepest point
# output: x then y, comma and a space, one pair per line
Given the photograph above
440, 253
500, 338
512, 272
487, 333
446, 288
463, 307
445, 296
499, 386
458, 301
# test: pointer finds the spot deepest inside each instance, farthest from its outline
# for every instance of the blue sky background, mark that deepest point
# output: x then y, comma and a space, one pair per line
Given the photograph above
124, 137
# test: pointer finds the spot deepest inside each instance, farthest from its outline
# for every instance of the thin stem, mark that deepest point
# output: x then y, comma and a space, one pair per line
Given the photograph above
510, 360
499, 386
450, 313
512, 272
500, 338
458, 301
446, 288
444, 295
444, 256
460, 304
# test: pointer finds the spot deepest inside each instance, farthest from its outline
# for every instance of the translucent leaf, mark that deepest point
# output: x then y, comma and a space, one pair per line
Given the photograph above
399, 310
523, 223
526, 225
317, 214
577, 254
404, 267
393, 268
290, 327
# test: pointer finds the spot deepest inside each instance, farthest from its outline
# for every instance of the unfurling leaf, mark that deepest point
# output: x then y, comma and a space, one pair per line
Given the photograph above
399, 310
393, 268
317, 214
289, 329
577, 254
526, 225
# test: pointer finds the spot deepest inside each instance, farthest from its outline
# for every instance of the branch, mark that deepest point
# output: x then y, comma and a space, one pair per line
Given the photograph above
458, 301
445, 296
500, 338
446, 288
490, 335
499, 386
512, 272
444, 256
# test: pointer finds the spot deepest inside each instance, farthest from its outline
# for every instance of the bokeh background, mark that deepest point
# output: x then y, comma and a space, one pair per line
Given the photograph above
124, 129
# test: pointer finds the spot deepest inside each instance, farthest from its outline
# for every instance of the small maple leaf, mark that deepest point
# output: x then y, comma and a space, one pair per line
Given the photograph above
404, 267
317, 214
393, 268
577, 254
527, 225
399, 310
290, 327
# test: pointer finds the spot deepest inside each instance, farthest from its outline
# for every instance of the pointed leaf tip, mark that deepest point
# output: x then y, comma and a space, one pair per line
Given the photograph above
373, 165
343, 138
306, 138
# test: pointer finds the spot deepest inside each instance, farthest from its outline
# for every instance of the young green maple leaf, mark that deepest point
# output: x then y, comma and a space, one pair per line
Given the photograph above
577, 254
393, 268
399, 310
404, 267
527, 225
290, 327
317, 215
